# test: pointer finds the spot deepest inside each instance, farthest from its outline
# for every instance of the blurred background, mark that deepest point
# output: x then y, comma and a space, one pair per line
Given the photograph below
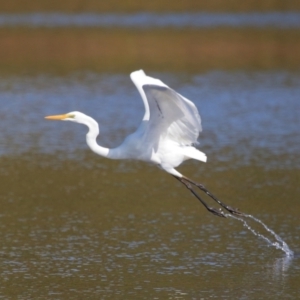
120, 36
75, 225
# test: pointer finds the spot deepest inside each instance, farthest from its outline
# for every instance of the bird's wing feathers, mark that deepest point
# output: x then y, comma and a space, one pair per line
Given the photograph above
168, 113
139, 78
176, 118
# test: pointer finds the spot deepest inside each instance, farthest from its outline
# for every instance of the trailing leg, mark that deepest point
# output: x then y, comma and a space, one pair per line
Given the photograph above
189, 186
230, 209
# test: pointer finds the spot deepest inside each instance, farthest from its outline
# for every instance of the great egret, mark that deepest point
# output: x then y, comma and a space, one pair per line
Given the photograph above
166, 136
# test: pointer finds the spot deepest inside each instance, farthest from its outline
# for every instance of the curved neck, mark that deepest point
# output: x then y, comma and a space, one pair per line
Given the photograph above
91, 138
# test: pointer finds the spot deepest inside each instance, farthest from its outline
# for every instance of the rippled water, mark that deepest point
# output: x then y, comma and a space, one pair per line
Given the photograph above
74, 225
283, 20
240, 110
167, 255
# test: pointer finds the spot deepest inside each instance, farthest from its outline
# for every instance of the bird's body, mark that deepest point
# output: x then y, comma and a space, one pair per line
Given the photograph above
166, 136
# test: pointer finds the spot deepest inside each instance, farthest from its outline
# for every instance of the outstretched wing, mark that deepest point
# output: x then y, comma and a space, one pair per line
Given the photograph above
169, 114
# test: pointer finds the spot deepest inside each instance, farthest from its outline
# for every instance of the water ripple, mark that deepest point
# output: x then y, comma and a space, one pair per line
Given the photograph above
241, 112
286, 20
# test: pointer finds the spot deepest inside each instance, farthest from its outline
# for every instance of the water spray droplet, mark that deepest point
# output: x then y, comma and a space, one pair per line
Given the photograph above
279, 244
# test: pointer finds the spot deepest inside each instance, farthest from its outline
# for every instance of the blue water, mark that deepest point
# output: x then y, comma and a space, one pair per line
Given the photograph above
284, 20
244, 112
68, 232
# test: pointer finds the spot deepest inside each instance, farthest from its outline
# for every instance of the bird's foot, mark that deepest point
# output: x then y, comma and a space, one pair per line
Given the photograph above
234, 211
217, 212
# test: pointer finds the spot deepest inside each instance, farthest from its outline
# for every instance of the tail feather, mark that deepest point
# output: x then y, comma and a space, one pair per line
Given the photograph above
194, 153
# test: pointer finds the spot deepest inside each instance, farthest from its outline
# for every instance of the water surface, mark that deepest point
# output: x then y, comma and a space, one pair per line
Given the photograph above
240, 110
74, 225
143, 20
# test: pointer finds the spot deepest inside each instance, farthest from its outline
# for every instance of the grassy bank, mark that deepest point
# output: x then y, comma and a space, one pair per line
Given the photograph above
154, 5
66, 50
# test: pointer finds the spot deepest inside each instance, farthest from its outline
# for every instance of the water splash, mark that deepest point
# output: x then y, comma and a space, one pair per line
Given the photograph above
279, 244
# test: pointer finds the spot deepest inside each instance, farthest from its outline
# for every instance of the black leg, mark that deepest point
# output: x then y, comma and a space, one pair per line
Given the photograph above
189, 186
230, 209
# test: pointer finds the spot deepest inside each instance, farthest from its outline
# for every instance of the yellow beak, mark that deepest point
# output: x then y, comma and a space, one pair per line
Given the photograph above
57, 117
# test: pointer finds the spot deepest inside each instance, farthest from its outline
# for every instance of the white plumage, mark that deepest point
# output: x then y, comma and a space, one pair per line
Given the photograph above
166, 136
169, 130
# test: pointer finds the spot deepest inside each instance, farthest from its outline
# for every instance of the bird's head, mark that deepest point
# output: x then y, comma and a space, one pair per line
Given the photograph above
74, 116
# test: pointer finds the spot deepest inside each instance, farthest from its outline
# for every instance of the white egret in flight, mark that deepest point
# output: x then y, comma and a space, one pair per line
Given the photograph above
166, 136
